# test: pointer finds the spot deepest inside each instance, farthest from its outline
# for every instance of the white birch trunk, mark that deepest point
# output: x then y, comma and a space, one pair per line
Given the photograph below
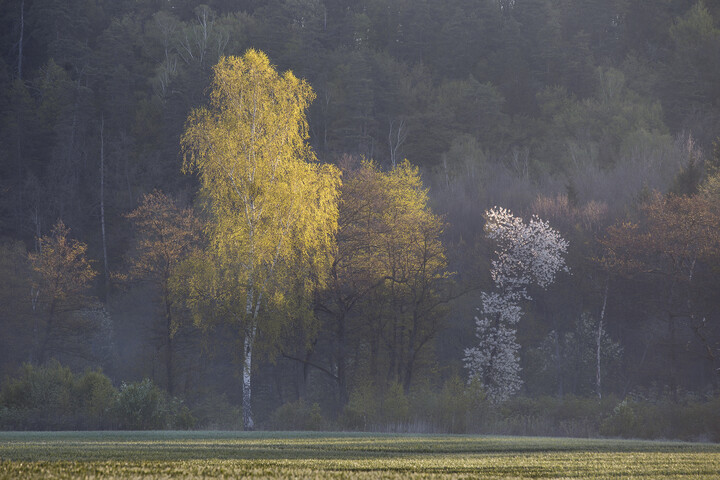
251, 315
248, 423
598, 377
102, 207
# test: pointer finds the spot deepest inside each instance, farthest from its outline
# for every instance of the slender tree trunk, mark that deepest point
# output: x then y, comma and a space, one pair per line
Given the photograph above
22, 35
169, 360
672, 338
170, 346
598, 378
304, 372
252, 308
341, 360
374, 352
559, 361
102, 208
42, 356
248, 423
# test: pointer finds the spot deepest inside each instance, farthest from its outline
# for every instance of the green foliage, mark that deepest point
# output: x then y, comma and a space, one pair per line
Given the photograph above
298, 416
395, 407
16, 324
693, 420
144, 406
213, 411
96, 396
457, 408
569, 416
273, 210
361, 409
52, 397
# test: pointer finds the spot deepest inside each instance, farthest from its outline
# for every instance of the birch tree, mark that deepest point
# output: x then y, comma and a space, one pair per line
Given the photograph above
273, 209
529, 253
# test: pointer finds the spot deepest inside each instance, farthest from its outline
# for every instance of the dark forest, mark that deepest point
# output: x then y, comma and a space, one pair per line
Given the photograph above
591, 127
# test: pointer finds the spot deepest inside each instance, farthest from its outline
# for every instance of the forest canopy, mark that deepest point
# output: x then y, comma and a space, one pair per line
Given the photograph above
386, 136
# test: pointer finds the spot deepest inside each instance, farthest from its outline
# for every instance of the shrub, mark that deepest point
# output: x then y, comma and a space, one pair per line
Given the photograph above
215, 412
395, 408
50, 397
454, 406
96, 396
361, 411
692, 420
298, 416
142, 406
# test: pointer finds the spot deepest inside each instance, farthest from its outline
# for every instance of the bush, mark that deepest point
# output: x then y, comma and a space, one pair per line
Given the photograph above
298, 416
215, 412
361, 411
51, 397
144, 406
692, 420
569, 416
96, 395
454, 406
395, 408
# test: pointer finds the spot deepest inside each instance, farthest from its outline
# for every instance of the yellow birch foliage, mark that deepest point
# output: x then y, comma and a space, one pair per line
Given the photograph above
272, 207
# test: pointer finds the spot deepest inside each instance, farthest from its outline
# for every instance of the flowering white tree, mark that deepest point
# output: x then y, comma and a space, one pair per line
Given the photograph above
528, 253
494, 361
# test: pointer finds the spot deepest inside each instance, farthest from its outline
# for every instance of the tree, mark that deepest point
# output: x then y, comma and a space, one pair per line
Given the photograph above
64, 275
581, 355
388, 278
164, 235
273, 211
16, 318
417, 281
674, 248
692, 74
528, 254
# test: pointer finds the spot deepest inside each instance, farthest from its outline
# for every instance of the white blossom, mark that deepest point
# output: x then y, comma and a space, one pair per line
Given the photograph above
527, 254
494, 361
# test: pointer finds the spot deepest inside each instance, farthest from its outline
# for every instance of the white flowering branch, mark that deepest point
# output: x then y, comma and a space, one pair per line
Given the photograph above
531, 253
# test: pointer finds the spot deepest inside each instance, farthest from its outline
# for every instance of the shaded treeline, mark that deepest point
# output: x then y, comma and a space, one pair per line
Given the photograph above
598, 116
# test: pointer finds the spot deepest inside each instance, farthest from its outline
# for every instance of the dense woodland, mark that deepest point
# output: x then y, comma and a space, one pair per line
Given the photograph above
601, 118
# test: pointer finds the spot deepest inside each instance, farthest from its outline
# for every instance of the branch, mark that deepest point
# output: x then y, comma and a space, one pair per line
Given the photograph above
307, 362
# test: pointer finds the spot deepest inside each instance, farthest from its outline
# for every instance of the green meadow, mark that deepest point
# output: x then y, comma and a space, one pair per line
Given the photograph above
190, 455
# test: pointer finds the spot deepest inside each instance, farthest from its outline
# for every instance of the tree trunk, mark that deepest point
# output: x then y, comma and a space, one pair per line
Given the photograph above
341, 361
252, 308
22, 35
598, 378
102, 208
248, 423
169, 345
42, 355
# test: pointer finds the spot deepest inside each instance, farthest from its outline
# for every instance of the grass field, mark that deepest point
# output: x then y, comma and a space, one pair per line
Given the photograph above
160, 455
